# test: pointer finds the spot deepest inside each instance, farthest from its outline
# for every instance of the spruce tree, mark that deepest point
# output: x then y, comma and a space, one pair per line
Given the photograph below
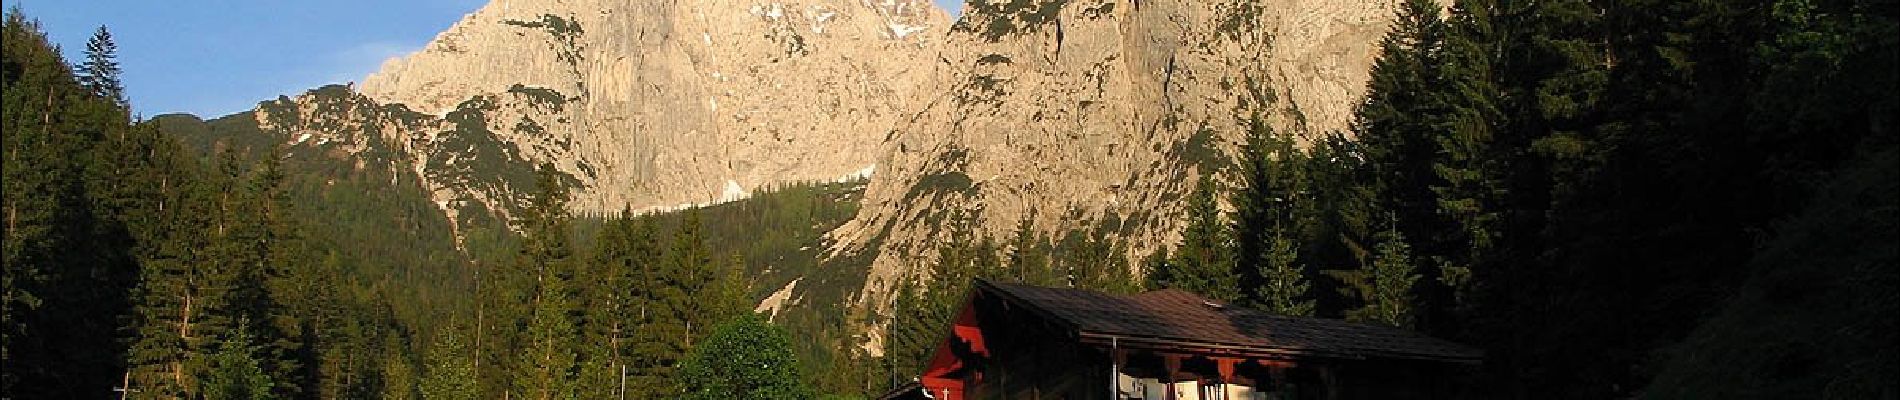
1097, 263
1267, 221
1388, 288
1029, 256
234, 371
1471, 164
99, 74
1204, 262
907, 333
681, 309
450, 363
400, 380
68, 260
549, 358
923, 305
624, 254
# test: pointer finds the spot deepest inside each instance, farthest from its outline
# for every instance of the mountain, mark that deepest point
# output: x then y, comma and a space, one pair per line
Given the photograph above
643, 105
1084, 113
1074, 114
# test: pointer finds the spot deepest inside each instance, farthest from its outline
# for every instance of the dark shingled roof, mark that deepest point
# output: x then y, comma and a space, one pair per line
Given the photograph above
1180, 318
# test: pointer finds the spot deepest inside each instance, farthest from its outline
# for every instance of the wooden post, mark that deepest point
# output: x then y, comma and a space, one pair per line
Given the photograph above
1114, 368
1172, 364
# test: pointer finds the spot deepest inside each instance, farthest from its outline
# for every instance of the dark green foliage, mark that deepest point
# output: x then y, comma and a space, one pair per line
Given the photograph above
744, 358
1269, 207
450, 364
540, 96
1028, 260
68, 219
924, 306
1384, 288
235, 372
1204, 262
564, 30
100, 72
1581, 183
1094, 261
549, 356
1814, 317
625, 254
1000, 18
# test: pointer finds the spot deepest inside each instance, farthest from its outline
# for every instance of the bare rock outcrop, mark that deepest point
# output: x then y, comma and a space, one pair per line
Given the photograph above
1088, 112
654, 105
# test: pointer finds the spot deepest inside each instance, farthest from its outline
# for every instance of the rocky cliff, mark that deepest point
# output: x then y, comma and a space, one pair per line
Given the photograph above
1088, 112
1074, 113
648, 105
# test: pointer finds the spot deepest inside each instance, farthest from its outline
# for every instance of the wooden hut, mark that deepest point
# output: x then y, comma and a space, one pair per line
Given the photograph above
1014, 341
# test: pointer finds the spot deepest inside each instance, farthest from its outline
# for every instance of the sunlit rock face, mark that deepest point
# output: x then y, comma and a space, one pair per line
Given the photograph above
657, 104
1083, 113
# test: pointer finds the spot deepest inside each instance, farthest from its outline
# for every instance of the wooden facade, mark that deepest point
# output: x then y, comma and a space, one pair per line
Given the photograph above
1022, 342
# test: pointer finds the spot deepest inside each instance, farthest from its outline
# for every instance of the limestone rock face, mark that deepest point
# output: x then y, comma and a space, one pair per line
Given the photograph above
657, 104
1089, 112
1075, 113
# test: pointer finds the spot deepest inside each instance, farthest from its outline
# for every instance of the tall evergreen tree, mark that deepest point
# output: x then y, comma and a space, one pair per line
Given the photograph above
100, 72
1471, 164
1385, 286
67, 255
549, 358
1096, 262
625, 252
688, 298
923, 305
1029, 256
234, 371
1204, 262
450, 363
400, 380
1267, 221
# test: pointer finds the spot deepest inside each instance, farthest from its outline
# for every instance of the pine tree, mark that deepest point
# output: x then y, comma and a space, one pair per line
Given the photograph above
234, 371
99, 74
1097, 263
1029, 256
1395, 124
923, 305
549, 359
67, 257
400, 380
1204, 261
682, 309
907, 335
1286, 290
624, 254
1384, 285
1470, 166
1267, 220
450, 373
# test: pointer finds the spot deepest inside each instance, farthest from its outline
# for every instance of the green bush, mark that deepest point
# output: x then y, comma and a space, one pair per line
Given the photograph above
745, 358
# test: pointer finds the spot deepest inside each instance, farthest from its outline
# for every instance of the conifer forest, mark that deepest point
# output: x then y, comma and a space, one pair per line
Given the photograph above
1610, 198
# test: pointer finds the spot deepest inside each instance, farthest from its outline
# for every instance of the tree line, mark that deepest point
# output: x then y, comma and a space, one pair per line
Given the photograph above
138, 267
1612, 199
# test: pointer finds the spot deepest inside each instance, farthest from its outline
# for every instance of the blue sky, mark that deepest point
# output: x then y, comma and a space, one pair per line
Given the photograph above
216, 57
